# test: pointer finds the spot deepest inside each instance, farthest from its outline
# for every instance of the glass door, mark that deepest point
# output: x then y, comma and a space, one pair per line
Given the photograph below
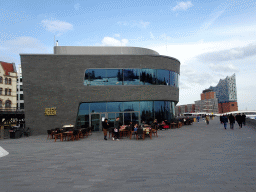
96, 121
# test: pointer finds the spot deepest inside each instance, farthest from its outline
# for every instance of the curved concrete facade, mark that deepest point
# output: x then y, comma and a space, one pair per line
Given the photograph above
108, 50
57, 81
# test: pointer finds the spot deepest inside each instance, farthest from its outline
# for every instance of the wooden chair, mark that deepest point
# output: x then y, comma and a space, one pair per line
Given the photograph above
154, 131
75, 135
140, 133
57, 134
49, 132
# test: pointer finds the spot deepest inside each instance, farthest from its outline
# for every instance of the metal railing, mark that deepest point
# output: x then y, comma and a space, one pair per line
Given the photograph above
11, 109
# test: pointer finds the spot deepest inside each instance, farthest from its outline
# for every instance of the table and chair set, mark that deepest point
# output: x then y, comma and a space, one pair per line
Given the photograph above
69, 132
143, 132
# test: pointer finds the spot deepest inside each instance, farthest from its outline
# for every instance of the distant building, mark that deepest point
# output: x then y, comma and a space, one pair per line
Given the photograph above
8, 86
226, 94
208, 102
20, 98
219, 99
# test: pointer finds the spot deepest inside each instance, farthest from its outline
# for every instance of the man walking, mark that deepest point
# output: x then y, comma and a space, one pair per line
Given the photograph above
243, 118
105, 126
225, 121
239, 120
117, 126
231, 121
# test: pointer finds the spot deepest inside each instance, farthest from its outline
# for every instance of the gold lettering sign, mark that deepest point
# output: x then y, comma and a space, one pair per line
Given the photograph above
50, 111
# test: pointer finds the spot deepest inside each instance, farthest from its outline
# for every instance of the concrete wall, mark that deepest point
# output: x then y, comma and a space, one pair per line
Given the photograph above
57, 81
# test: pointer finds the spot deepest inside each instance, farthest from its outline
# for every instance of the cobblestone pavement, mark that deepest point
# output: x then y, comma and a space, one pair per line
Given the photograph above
196, 157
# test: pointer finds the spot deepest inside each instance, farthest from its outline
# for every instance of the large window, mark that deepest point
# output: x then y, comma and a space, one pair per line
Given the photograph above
135, 111
100, 77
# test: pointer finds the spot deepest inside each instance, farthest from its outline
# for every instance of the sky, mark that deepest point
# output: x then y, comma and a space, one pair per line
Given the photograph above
211, 39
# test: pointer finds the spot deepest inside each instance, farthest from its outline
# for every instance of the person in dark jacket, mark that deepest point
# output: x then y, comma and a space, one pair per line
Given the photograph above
221, 117
117, 125
231, 121
243, 118
105, 126
225, 121
239, 120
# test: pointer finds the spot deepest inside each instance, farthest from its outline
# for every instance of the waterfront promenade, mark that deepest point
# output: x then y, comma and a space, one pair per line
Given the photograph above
196, 157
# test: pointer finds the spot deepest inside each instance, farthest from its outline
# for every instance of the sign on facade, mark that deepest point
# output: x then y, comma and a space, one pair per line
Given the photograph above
50, 111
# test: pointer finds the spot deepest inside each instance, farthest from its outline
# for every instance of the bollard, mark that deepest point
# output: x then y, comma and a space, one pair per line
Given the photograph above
2, 131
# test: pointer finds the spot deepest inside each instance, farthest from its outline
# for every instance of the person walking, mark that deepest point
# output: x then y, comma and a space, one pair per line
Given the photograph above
198, 118
231, 121
105, 126
243, 118
221, 117
207, 119
239, 120
225, 121
117, 125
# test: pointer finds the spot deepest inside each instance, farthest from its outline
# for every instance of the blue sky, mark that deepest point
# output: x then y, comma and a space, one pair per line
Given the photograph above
212, 39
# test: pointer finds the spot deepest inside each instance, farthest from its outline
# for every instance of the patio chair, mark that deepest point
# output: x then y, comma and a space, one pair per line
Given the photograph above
140, 133
154, 131
84, 132
57, 134
75, 134
49, 132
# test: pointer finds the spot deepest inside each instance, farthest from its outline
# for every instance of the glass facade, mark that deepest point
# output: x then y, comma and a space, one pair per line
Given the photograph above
136, 111
97, 77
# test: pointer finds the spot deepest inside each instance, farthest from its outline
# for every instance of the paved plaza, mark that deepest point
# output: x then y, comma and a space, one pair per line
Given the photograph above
196, 157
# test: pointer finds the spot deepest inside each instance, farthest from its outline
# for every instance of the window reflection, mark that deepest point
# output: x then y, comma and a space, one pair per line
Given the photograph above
163, 77
135, 111
114, 77
148, 76
147, 111
131, 77
115, 106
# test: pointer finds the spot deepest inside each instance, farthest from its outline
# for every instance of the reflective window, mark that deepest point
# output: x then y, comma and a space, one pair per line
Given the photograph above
131, 106
98, 107
147, 111
114, 106
103, 77
148, 76
131, 76
163, 77
136, 111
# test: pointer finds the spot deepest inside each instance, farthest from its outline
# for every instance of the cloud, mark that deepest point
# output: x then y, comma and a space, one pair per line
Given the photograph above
110, 41
182, 6
117, 35
56, 26
223, 68
152, 36
140, 24
12, 48
77, 6
230, 54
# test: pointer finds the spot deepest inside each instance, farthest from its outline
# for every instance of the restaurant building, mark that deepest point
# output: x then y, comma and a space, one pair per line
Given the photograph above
84, 85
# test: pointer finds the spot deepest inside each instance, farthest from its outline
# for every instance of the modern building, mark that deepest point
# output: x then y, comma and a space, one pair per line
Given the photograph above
8, 78
84, 85
226, 94
208, 102
20, 98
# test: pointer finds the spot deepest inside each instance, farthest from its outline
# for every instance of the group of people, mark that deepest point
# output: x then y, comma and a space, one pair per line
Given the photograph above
240, 119
117, 126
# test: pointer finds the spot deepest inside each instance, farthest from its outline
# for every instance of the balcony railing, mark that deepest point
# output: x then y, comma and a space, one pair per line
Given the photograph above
11, 109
